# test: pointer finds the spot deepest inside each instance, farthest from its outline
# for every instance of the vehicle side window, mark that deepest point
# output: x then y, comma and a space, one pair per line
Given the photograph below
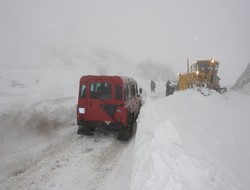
130, 92
118, 92
83, 91
126, 92
136, 89
133, 90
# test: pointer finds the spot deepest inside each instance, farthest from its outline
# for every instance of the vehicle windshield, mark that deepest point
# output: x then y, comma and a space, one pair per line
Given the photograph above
203, 66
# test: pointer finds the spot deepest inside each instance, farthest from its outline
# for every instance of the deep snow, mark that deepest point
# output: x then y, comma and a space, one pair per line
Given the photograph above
184, 141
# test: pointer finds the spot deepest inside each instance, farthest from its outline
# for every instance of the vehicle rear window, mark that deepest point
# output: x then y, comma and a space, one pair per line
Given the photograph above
83, 91
100, 90
118, 92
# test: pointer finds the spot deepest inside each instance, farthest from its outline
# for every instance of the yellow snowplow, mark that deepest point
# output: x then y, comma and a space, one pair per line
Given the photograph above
199, 73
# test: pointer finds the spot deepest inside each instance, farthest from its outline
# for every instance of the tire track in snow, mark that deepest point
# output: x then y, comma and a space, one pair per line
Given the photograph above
74, 161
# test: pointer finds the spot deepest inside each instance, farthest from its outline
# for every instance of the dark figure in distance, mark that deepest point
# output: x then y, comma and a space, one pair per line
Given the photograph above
152, 86
168, 88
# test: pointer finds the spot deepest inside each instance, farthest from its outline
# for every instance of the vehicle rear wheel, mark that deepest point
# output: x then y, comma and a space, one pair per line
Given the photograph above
84, 130
127, 131
80, 130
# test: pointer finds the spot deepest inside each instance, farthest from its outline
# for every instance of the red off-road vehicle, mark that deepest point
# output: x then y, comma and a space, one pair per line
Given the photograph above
109, 102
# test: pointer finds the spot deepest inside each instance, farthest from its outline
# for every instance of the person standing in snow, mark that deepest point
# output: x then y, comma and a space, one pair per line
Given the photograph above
152, 86
168, 88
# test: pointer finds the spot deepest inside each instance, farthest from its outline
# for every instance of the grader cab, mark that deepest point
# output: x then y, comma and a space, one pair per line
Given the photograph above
199, 73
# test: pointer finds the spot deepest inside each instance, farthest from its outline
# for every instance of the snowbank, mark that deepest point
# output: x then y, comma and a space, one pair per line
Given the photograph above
164, 159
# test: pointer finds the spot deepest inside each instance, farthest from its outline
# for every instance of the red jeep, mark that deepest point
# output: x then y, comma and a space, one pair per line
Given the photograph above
109, 102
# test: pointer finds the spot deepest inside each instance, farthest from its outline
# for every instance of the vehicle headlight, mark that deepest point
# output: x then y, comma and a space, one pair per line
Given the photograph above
81, 110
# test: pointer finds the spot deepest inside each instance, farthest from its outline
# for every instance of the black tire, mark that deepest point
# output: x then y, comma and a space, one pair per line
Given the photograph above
127, 131
80, 130
84, 130
123, 134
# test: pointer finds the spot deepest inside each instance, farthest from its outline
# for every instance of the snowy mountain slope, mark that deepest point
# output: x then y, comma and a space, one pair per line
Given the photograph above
158, 157
169, 151
154, 71
243, 81
184, 141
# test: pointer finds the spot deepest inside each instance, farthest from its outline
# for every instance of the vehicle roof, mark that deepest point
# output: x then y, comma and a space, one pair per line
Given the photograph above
120, 79
206, 62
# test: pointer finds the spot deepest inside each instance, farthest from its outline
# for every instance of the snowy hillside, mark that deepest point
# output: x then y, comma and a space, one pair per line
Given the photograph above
184, 141
243, 82
154, 71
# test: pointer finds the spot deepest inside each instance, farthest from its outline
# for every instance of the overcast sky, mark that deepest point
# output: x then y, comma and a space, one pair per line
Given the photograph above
166, 31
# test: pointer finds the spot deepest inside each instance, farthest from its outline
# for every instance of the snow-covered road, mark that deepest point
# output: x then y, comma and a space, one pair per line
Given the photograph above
59, 158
